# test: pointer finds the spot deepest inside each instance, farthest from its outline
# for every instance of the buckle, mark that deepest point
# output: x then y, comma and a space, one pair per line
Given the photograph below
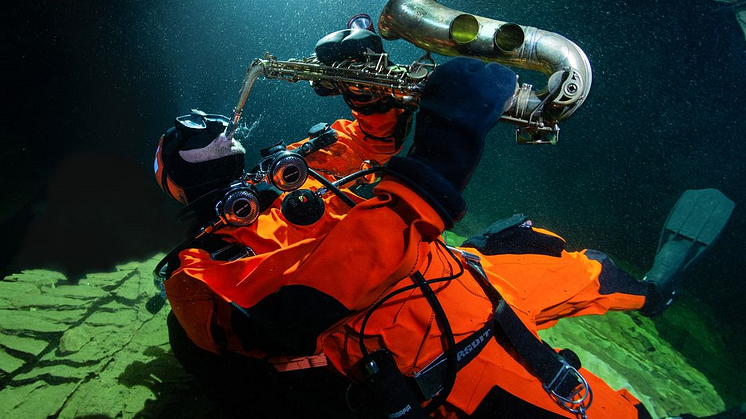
579, 397
472, 260
468, 256
430, 380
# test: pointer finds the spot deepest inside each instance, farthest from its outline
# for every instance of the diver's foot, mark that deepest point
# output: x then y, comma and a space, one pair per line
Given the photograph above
669, 263
693, 225
666, 276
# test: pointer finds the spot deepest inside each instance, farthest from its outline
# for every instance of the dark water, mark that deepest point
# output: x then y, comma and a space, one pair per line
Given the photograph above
90, 86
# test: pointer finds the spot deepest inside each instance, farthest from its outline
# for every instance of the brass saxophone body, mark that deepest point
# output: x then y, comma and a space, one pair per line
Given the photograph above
438, 29
373, 75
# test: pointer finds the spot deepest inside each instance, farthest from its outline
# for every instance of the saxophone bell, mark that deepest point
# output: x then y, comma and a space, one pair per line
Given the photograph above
442, 30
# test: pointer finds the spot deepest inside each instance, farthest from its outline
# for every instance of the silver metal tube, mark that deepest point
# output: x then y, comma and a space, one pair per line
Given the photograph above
446, 31
255, 70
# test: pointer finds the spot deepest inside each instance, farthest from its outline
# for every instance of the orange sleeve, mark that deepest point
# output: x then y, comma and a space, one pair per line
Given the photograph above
368, 137
371, 135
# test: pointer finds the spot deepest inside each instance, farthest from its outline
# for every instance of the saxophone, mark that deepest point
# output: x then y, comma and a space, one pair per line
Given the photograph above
438, 29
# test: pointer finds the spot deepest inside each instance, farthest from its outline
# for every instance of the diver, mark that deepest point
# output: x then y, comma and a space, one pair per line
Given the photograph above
295, 296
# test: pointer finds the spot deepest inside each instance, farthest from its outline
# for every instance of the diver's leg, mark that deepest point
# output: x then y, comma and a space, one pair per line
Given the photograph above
233, 383
607, 403
614, 279
536, 259
247, 387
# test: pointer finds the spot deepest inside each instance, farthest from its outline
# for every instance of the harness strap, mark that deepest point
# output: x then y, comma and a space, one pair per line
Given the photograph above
558, 377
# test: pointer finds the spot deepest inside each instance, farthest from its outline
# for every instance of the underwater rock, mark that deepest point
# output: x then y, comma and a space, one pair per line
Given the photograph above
14, 348
38, 278
626, 351
22, 344
52, 374
75, 338
35, 400
100, 353
9, 363
38, 321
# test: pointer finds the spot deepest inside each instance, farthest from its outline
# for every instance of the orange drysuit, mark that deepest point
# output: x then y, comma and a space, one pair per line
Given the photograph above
307, 288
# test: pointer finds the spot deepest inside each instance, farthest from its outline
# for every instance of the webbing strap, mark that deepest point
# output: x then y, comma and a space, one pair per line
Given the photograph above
289, 363
430, 380
541, 360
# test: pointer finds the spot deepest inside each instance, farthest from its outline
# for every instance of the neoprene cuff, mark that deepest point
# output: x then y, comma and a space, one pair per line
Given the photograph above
431, 185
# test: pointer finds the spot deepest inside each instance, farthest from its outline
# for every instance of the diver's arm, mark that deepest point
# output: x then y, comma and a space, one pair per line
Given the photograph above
389, 128
380, 124
371, 139
368, 141
384, 239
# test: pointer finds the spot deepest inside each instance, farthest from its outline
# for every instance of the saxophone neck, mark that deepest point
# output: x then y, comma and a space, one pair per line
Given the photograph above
256, 69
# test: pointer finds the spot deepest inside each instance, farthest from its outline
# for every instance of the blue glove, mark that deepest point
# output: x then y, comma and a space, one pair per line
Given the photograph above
461, 102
